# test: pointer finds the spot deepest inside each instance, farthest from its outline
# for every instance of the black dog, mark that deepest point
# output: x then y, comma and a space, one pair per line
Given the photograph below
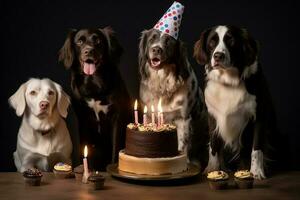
241, 116
100, 98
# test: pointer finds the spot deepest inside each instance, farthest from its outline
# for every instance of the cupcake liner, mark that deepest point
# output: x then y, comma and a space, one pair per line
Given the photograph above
218, 184
244, 183
33, 181
62, 174
78, 176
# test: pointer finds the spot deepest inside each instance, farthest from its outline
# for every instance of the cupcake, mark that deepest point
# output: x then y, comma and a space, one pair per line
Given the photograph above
62, 170
97, 180
243, 179
218, 180
32, 177
78, 171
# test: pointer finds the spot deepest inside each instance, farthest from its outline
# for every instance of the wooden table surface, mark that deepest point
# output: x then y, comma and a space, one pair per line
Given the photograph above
285, 185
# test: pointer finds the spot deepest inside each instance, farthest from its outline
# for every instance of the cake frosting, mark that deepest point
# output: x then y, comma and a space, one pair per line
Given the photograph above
33, 172
243, 174
151, 127
62, 167
149, 141
217, 175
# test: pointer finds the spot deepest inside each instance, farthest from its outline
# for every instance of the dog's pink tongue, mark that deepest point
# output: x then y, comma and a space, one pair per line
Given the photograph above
89, 68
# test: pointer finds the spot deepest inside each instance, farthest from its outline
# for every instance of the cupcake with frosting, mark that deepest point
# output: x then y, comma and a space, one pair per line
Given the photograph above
32, 177
62, 170
218, 180
78, 171
97, 180
243, 179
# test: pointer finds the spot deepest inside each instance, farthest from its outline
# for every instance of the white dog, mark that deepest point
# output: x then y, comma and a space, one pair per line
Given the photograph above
43, 137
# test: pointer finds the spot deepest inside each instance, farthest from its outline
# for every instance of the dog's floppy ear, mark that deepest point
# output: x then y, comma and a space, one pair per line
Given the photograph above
143, 53
182, 61
114, 47
66, 53
62, 100
18, 101
200, 51
250, 48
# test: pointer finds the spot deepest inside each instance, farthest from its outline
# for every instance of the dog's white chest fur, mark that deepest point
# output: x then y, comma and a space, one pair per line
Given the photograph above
232, 107
97, 107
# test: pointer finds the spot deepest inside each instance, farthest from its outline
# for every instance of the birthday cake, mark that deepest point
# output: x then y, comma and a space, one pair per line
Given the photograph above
152, 150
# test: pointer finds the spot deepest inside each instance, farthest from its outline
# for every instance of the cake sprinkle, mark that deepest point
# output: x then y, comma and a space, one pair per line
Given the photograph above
151, 127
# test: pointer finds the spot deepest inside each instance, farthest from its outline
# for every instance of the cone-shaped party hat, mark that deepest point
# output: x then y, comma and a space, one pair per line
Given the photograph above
170, 21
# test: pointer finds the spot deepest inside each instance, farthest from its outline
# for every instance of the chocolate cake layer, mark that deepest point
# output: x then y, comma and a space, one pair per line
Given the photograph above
151, 144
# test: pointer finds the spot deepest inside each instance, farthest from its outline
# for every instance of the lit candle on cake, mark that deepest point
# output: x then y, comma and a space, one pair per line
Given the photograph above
152, 115
85, 166
161, 116
145, 115
136, 117
159, 113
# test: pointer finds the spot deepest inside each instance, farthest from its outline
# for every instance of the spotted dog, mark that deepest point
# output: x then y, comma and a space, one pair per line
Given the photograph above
166, 73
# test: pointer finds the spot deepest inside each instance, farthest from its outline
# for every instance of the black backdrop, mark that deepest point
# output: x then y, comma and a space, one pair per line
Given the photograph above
32, 33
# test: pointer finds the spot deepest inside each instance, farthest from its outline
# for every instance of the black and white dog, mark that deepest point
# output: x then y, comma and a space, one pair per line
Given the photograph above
100, 98
166, 73
237, 99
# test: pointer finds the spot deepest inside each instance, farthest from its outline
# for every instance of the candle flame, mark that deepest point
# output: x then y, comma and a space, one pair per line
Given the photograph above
145, 109
159, 107
135, 104
152, 108
85, 151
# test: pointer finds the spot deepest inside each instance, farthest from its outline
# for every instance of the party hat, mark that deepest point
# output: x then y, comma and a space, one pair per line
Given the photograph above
170, 21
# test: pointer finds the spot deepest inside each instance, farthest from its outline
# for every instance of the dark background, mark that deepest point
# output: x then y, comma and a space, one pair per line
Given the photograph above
32, 32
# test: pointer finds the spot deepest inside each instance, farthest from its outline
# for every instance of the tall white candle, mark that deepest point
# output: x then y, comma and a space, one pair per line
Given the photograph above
85, 166
145, 116
152, 116
161, 117
136, 115
159, 113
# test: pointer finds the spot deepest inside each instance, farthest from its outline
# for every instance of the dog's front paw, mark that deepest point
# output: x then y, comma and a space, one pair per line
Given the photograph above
211, 167
257, 164
213, 162
22, 169
258, 173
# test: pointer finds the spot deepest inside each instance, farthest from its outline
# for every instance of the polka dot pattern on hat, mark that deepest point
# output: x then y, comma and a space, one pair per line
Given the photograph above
171, 20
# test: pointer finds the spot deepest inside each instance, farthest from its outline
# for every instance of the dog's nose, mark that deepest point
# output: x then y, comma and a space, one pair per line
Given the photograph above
157, 50
219, 56
44, 105
88, 51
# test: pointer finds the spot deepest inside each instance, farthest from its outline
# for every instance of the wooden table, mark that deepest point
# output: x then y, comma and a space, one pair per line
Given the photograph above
281, 186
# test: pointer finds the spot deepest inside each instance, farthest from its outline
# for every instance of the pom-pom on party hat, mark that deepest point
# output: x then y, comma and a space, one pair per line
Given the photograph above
170, 21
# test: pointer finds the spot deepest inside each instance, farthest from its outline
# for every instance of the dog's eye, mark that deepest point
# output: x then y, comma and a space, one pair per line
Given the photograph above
33, 93
151, 40
79, 42
212, 44
167, 40
50, 93
230, 40
97, 41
